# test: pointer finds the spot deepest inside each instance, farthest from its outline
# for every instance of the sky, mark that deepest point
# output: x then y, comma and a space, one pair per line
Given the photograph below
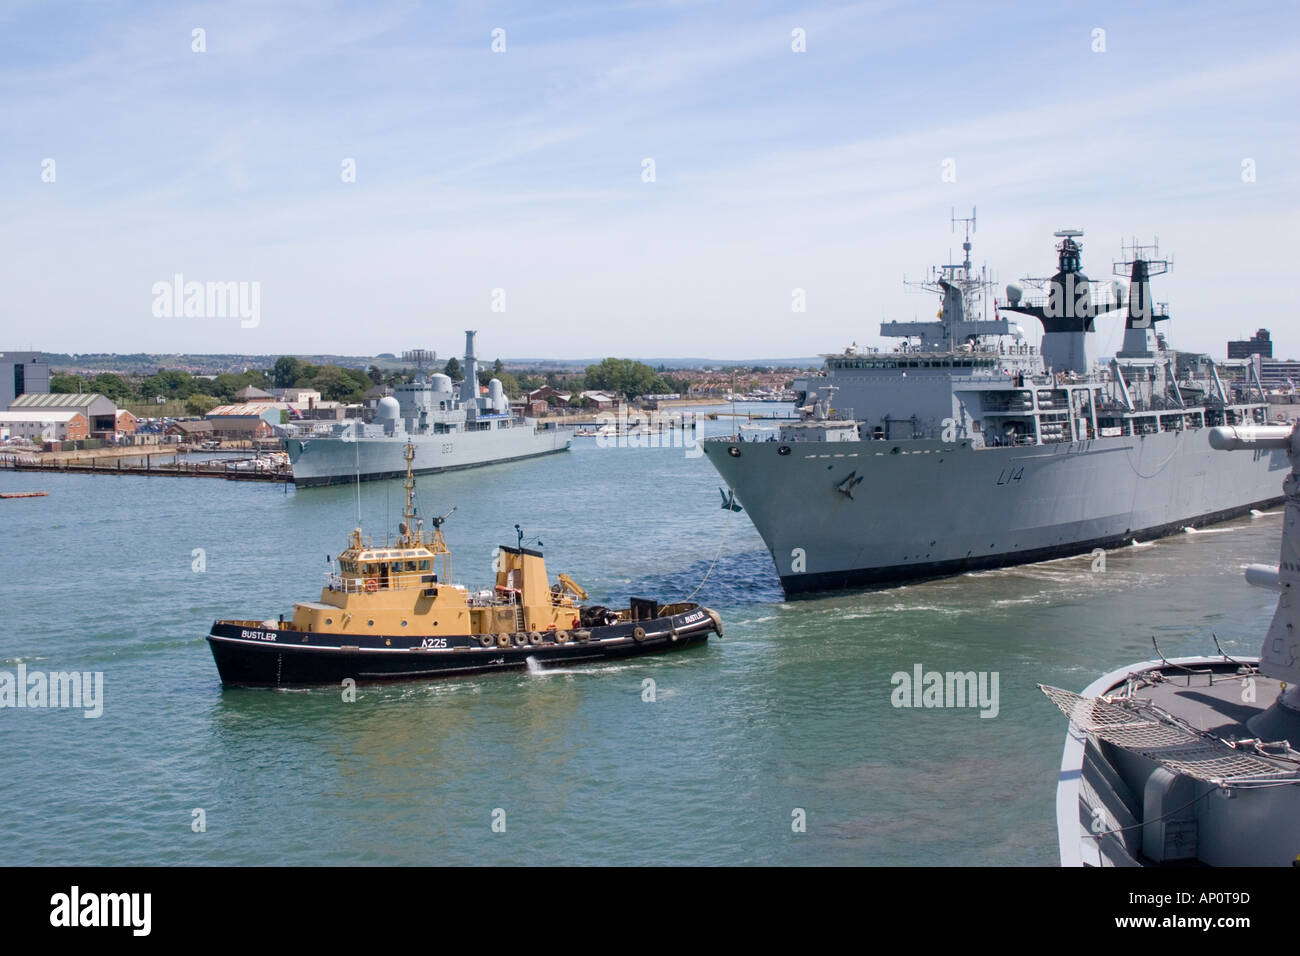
626, 178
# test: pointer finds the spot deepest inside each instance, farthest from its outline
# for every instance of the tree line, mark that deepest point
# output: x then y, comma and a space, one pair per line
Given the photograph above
337, 383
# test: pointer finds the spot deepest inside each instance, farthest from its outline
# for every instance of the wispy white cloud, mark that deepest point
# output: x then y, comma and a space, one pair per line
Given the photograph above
523, 170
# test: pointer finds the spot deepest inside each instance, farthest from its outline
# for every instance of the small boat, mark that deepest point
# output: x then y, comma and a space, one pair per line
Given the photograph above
24, 494
393, 613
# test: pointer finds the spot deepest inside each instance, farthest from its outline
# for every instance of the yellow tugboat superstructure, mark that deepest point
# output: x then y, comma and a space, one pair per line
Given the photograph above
408, 588
385, 599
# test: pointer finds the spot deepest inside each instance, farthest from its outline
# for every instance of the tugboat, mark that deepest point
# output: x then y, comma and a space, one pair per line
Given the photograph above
1194, 760
393, 613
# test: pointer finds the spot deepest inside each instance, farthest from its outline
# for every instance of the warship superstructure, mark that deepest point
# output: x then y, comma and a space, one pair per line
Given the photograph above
967, 448
449, 431
1194, 760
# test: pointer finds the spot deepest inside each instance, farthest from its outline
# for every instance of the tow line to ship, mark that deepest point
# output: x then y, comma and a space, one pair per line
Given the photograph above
726, 525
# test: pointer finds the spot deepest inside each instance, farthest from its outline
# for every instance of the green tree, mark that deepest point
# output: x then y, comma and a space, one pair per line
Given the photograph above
286, 370
200, 404
338, 384
111, 386
624, 377
62, 382
452, 369
168, 384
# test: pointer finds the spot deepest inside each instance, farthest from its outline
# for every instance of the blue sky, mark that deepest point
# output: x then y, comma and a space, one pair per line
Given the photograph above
522, 170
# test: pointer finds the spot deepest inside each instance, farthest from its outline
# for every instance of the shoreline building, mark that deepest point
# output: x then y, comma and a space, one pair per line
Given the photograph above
22, 373
44, 424
100, 412
1258, 344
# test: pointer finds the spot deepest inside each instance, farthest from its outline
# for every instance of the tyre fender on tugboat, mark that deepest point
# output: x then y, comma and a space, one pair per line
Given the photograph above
534, 637
521, 639
503, 640
638, 634
583, 636
487, 640
716, 618
561, 637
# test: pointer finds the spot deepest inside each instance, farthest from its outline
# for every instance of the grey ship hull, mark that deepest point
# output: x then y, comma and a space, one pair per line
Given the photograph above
930, 508
329, 461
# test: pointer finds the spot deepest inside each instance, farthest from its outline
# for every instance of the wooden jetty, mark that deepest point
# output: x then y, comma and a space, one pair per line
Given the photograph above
219, 468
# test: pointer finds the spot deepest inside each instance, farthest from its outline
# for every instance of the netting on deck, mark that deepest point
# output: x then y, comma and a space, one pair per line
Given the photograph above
1136, 727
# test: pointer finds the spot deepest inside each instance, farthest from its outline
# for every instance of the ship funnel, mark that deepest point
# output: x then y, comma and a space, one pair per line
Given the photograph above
469, 387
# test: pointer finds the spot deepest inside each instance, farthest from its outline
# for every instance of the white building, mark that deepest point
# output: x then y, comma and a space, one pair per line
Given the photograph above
44, 425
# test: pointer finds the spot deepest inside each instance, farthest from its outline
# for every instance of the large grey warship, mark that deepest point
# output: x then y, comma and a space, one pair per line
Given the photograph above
1194, 760
448, 431
966, 448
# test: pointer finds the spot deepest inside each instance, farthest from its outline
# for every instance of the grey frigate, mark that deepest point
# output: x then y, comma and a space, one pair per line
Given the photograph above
966, 448
449, 431
1194, 760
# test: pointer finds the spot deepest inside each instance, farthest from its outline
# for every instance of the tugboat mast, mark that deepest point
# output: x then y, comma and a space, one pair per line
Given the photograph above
411, 530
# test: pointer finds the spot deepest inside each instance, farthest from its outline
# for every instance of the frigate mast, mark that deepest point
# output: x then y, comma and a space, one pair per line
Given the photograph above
963, 315
1138, 264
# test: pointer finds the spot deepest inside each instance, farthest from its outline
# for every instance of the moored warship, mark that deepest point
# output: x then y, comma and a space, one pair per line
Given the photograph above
450, 432
1194, 760
966, 448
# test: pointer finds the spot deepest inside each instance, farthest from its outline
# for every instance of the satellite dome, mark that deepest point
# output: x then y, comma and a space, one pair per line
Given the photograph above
389, 409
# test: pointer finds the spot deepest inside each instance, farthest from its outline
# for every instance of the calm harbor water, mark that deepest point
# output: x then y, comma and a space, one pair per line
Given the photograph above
791, 710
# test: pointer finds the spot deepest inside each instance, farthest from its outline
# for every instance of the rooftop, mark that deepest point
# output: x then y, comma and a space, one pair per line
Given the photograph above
40, 415
57, 400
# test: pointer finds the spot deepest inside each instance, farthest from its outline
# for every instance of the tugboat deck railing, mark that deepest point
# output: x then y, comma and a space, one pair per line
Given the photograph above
349, 584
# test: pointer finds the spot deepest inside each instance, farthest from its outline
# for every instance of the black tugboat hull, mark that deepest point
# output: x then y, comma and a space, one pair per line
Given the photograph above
252, 655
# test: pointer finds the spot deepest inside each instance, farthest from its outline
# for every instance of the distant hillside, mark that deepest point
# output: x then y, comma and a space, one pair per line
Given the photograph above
147, 363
